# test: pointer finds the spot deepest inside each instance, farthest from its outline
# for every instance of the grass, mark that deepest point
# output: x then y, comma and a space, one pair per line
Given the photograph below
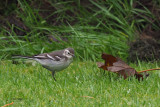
82, 84
90, 27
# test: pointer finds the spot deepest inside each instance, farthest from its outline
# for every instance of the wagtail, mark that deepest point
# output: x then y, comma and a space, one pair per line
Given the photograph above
54, 61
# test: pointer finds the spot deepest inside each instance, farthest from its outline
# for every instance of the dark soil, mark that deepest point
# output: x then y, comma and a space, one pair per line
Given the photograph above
144, 50
13, 20
147, 46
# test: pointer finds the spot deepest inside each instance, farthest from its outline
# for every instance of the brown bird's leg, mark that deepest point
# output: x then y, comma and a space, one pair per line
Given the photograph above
53, 73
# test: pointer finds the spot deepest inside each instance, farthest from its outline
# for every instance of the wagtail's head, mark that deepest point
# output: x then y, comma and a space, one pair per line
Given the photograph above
68, 52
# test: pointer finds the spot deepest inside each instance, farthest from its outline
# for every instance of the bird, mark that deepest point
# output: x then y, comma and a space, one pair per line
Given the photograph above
54, 61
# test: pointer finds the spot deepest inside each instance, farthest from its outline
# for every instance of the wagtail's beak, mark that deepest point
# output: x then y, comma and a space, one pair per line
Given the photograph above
72, 54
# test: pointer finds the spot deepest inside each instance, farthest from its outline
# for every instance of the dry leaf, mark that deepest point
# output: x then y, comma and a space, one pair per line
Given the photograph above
116, 65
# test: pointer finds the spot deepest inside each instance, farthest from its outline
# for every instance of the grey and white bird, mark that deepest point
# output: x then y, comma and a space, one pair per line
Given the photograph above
54, 61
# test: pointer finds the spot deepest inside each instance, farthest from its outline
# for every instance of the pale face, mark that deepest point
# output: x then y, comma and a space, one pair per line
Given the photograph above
68, 54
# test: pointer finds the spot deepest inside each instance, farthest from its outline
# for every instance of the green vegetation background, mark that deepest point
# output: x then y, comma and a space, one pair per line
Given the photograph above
90, 27
29, 27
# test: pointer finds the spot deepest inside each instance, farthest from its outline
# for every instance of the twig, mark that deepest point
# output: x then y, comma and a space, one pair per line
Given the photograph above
87, 96
149, 70
8, 104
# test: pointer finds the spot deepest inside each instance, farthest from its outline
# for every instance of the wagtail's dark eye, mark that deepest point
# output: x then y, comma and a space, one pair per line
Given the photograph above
69, 53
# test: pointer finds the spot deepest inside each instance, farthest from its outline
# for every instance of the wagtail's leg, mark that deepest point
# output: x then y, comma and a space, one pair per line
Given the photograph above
53, 73
104, 72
